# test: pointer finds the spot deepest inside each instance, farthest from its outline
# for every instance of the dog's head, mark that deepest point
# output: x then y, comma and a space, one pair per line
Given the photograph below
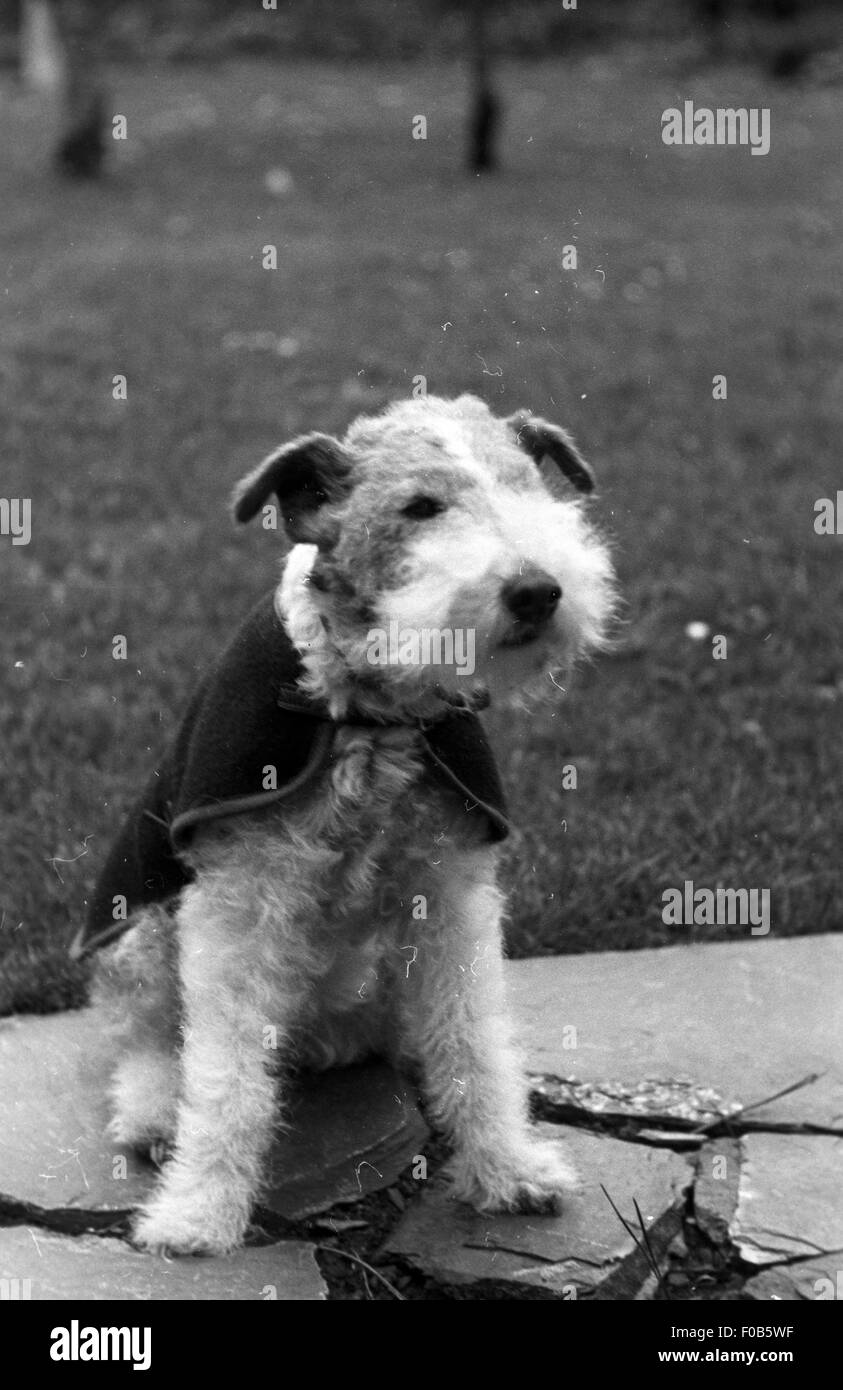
434, 552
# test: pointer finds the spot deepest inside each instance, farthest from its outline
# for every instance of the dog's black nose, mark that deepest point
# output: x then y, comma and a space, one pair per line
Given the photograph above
532, 597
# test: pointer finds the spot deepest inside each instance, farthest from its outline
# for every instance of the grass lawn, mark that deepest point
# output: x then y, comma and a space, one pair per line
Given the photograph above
391, 264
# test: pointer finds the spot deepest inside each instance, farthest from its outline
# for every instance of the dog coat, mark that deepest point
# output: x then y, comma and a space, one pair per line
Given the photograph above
247, 724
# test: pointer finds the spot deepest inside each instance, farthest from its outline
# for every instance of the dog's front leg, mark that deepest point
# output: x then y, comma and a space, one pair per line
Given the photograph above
459, 1030
228, 1097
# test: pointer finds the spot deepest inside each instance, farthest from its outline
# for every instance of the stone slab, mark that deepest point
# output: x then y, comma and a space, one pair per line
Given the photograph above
819, 1280
744, 1018
353, 1132
53, 1075
88, 1269
580, 1253
790, 1199
678, 1103
716, 1187
358, 1123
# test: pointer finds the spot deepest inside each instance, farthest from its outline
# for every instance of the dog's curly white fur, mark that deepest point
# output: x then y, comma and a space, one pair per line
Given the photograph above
287, 925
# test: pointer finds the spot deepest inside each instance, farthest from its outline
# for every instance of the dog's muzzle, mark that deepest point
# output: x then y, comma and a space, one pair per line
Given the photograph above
532, 600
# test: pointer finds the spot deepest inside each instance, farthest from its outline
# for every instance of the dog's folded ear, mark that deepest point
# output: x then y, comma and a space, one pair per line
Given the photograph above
304, 475
539, 438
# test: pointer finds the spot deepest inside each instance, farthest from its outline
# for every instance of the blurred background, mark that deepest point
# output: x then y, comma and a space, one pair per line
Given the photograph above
149, 152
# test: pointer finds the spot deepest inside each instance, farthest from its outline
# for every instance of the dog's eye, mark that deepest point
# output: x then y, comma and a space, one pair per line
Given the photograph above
421, 508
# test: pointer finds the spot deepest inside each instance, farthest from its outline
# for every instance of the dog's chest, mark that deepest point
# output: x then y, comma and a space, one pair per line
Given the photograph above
391, 822
383, 796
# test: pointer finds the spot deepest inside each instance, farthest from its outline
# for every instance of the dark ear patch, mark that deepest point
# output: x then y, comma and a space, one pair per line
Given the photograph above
304, 475
539, 438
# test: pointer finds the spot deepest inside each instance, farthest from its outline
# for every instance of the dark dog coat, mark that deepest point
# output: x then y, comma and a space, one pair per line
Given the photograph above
247, 721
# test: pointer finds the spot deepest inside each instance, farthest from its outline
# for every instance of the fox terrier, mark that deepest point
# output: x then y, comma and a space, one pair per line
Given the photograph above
331, 796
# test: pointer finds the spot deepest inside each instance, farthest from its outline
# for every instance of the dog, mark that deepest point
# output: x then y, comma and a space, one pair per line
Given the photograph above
314, 860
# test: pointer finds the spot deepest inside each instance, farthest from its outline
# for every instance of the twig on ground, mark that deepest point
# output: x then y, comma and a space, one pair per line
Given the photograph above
726, 1120
347, 1255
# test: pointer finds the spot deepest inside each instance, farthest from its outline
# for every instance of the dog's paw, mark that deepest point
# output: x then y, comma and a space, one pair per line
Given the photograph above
167, 1226
537, 1178
157, 1149
143, 1095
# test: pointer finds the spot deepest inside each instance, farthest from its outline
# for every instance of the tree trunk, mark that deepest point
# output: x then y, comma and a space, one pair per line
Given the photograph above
81, 149
484, 121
